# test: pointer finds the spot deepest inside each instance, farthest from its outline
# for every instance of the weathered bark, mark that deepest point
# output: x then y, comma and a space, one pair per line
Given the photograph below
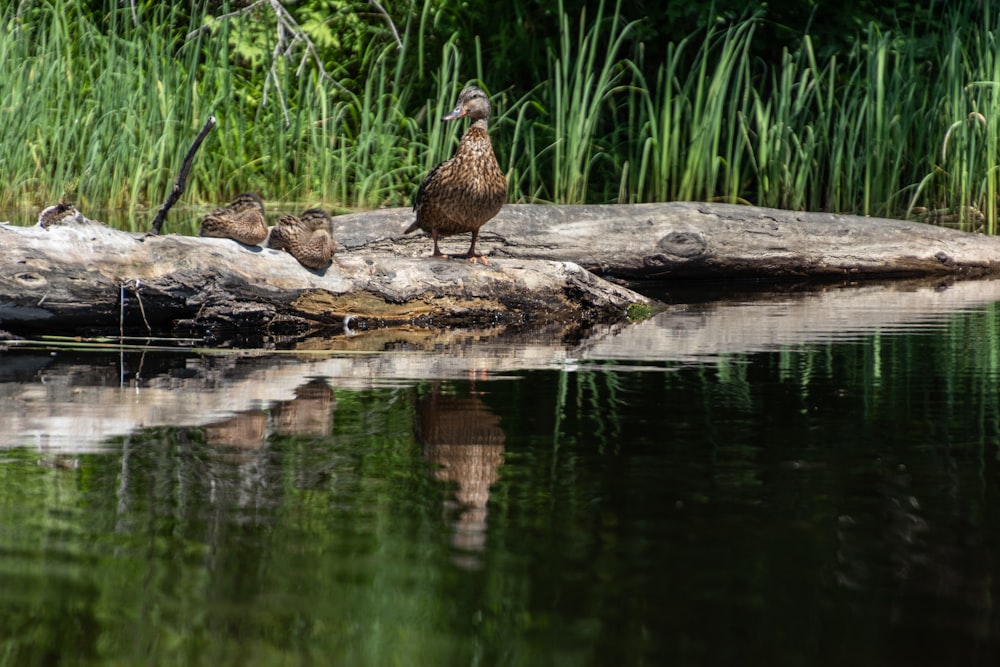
74, 276
86, 276
687, 239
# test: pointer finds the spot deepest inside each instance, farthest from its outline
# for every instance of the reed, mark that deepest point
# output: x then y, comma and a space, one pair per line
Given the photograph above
104, 113
960, 182
583, 77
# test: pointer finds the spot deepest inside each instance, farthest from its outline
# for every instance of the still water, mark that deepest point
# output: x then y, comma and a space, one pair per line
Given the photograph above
777, 478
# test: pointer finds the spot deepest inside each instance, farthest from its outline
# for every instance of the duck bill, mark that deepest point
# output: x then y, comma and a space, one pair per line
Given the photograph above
457, 112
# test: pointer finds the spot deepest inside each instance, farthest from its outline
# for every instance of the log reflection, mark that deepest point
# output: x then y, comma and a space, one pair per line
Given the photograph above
463, 439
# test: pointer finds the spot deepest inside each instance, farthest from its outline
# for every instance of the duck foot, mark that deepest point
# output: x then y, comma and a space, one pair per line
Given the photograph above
472, 258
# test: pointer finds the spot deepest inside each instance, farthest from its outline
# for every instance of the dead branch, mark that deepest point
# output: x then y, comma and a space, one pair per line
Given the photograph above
388, 19
178, 188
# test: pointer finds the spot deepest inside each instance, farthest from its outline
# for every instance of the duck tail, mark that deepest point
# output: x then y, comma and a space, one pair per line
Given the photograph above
412, 228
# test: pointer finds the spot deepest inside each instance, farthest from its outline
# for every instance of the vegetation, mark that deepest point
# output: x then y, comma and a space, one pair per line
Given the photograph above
322, 104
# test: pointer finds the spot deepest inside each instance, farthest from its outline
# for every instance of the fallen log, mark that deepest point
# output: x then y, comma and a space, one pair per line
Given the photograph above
700, 240
83, 276
543, 261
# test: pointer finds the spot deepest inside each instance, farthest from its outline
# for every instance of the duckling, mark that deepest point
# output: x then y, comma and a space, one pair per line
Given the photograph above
242, 220
62, 213
307, 238
463, 193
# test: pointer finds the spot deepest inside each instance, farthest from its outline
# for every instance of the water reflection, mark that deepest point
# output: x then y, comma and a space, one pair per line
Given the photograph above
244, 433
242, 443
823, 488
893, 543
462, 438
309, 413
46, 392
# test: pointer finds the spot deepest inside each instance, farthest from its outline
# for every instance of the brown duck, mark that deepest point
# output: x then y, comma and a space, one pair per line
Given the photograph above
242, 220
463, 193
59, 214
307, 238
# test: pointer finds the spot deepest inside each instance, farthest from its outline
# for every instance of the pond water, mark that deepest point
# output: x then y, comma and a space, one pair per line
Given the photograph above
769, 478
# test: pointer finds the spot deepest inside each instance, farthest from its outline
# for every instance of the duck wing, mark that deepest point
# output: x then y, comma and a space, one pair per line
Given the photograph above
428, 180
419, 199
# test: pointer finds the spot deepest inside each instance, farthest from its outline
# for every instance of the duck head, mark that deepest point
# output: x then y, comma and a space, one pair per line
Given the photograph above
472, 102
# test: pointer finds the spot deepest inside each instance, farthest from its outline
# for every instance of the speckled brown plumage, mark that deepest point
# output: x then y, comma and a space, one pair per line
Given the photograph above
463, 193
59, 214
307, 238
242, 220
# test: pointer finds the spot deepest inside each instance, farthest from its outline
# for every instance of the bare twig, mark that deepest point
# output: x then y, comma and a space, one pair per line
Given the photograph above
289, 35
225, 17
178, 188
287, 21
273, 74
388, 19
133, 284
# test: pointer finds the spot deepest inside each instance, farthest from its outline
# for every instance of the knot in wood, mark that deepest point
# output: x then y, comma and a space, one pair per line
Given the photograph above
944, 258
31, 279
682, 244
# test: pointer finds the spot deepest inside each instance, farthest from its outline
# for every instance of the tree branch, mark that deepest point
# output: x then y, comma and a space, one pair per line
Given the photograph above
178, 189
388, 19
225, 17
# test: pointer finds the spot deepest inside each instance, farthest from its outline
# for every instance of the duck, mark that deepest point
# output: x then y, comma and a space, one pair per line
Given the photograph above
463, 193
307, 238
241, 220
62, 213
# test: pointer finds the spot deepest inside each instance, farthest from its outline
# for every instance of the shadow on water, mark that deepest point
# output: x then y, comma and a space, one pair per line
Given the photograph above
777, 477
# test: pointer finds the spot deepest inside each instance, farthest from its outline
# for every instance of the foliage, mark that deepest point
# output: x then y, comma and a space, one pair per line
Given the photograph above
591, 103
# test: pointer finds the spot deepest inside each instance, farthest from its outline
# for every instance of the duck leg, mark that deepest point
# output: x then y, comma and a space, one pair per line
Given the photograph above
472, 250
434, 235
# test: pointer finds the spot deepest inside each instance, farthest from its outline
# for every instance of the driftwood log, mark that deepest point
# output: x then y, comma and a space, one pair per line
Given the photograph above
701, 240
84, 276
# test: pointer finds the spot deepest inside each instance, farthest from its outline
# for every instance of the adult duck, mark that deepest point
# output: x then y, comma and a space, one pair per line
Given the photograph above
241, 220
463, 193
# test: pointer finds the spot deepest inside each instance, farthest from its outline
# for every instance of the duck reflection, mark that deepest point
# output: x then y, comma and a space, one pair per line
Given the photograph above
462, 438
242, 435
245, 433
309, 413
244, 467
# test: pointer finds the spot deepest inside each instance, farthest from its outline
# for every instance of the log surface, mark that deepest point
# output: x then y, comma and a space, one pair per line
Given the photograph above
699, 240
85, 275
543, 265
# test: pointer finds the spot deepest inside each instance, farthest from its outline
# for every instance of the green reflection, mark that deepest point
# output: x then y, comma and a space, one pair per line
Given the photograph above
832, 503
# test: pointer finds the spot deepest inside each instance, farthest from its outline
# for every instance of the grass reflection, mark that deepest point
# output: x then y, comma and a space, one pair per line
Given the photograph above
844, 491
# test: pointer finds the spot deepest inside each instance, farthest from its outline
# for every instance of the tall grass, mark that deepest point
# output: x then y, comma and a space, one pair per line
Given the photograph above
898, 126
582, 78
961, 171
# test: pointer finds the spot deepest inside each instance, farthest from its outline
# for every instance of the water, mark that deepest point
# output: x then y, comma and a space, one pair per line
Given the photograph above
773, 478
